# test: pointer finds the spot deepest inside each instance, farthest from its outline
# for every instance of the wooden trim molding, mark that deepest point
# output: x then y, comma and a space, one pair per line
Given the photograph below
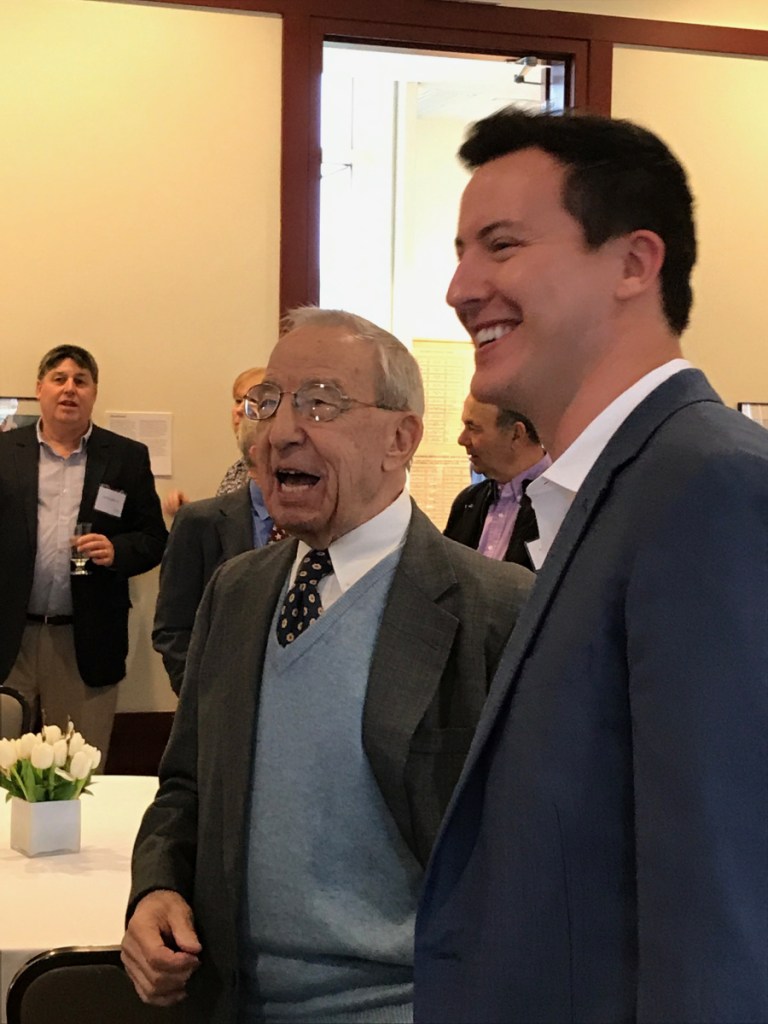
467, 17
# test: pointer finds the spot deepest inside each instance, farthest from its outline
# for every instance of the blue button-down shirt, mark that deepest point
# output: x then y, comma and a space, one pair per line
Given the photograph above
59, 493
262, 523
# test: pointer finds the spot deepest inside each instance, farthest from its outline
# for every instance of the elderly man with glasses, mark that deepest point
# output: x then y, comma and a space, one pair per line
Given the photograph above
331, 693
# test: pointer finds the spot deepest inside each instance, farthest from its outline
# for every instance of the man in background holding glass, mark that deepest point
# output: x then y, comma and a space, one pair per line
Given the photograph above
64, 636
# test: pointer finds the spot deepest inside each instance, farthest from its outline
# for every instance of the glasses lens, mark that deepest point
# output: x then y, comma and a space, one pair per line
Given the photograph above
320, 402
262, 401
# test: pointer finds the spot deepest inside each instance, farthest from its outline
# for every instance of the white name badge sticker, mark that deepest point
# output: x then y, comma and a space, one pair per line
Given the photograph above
109, 501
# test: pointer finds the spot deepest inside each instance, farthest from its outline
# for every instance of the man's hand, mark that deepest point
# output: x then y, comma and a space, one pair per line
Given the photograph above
173, 501
161, 949
99, 548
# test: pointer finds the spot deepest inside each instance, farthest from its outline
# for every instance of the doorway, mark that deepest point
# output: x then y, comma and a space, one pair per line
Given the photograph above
392, 120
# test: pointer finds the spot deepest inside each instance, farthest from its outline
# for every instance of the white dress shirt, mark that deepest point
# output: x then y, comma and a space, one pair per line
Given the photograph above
552, 493
359, 550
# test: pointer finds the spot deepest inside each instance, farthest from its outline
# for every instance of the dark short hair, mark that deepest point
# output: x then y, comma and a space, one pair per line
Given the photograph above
80, 357
619, 178
507, 418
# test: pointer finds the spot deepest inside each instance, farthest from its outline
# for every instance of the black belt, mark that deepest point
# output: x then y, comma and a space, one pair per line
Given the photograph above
51, 620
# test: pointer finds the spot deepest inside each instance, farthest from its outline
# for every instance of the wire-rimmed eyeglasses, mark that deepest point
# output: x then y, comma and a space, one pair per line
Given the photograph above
315, 400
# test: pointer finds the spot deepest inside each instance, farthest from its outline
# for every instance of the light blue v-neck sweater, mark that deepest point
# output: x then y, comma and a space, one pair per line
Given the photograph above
331, 885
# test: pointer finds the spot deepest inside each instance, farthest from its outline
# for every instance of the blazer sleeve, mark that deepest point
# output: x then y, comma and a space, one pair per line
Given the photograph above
183, 576
140, 544
697, 620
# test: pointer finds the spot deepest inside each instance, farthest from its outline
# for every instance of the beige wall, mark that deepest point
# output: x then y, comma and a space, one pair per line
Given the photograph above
140, 218
709, 109
140, 184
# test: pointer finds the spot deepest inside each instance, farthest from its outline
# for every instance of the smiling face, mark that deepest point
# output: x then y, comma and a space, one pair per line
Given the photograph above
66, 395
321, 480
536, 301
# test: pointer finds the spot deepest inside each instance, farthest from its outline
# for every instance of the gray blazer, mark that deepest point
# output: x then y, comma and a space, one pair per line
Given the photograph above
448, 615
605, 855
204, 534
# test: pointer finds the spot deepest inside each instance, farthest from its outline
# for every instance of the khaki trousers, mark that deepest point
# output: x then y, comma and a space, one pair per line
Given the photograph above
46, 668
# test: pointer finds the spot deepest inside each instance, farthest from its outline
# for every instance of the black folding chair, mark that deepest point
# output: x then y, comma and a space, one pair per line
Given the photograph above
80, 985
15, 714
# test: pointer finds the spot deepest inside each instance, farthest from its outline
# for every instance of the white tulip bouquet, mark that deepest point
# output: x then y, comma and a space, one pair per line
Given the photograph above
48, 765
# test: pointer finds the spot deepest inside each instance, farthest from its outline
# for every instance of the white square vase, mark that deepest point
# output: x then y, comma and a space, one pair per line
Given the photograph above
48, 826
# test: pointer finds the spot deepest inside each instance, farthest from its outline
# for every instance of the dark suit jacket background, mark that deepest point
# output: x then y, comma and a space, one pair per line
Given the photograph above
605, 856
467, 519
100, 601
427, 684
204, 534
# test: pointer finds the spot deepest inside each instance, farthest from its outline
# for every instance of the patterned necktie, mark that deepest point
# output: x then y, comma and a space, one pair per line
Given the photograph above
302, 602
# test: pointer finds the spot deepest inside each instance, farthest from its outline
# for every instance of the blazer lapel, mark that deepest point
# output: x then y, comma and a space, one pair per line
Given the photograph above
95, 468
412, 647
525, 529
27, 458
682, 389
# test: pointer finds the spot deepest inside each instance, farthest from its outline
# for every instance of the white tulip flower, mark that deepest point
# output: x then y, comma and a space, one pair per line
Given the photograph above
42, 756
60, 753
76, 742
80, 766
94, 754
51, 734
26, 743
9, 754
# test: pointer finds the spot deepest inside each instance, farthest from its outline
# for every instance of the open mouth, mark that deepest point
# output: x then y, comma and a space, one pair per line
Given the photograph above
295, 480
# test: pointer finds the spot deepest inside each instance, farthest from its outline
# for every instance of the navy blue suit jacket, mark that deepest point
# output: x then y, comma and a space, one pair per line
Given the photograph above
605, 854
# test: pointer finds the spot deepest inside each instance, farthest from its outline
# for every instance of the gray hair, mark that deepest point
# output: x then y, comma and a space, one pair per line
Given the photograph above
398, 385
246, 437
507, 418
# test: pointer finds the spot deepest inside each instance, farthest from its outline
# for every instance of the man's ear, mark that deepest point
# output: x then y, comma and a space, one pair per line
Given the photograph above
403, 441
642, 263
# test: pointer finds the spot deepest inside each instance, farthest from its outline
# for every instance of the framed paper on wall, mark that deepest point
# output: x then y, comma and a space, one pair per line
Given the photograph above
757, 411
18, 412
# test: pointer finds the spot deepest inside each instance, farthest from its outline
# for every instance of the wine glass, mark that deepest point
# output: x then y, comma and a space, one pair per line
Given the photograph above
79, 558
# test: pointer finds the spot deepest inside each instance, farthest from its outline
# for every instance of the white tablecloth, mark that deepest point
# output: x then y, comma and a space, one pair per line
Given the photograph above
71, 899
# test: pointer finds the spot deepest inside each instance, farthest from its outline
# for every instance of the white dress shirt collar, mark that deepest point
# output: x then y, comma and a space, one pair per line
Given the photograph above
552, 493
354, 554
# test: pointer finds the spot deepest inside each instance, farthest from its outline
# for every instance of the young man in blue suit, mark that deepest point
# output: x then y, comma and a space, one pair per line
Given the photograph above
605, 854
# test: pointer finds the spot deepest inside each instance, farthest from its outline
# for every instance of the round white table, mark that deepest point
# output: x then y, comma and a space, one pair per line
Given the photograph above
71, 899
